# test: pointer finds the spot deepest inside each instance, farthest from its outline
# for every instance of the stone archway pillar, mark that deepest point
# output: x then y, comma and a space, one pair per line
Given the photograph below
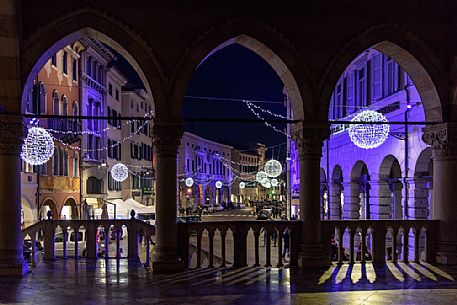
351, 207
380, 200
309, 142
167, 137
12, 132
334, 201
443, 140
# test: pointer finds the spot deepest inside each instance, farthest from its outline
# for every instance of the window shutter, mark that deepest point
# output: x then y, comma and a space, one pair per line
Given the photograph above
376, 87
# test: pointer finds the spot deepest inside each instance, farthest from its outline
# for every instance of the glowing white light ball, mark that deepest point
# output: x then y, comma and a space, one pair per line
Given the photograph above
274, 182
242, 185
265, 182
218, 184
119, 172
369, 135
189, 182
261, 176
273, 168
38, 146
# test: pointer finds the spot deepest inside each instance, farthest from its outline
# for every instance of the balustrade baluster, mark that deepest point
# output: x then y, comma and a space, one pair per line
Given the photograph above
118, 243
223, 235
363, 245
256, 247
267, 237
406, 245
33, 238
148, 250
416, 245
76, 231
280, 233
211, 248
199, 248
394, 245
340, 232
65, 239
351, 245
133, 230
379, 241
107, 237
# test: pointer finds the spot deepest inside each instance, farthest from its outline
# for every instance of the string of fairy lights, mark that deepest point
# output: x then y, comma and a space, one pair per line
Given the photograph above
38, 146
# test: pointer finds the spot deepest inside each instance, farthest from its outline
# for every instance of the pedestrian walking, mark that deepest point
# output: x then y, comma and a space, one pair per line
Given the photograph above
274, 237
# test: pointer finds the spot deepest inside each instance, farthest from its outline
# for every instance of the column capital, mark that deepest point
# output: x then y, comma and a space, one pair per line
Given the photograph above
309, 141
12, 132
167, 136
443, 140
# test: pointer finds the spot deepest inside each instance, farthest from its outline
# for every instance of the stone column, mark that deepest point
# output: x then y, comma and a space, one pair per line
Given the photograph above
380, 200
334, 201
443, 139
167, 137
351, 208
12, 132
309, 142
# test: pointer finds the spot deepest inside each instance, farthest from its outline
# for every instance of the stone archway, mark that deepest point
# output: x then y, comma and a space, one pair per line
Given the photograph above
266, 43
408, 51
49, 204
336, 194
69, 209
357, 193
40, 46
422, 205
388, 203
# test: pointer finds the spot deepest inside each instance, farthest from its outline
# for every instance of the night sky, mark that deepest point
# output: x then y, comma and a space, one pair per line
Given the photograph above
234, 72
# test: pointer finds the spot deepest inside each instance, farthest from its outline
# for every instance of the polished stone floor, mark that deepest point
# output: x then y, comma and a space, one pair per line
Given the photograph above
113, 282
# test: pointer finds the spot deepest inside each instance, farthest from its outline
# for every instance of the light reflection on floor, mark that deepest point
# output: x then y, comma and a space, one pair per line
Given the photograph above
117, 282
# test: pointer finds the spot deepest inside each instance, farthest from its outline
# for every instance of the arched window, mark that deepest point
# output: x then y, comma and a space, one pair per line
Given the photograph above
55, 99
75, 112
42, 104
55, 163
64, 105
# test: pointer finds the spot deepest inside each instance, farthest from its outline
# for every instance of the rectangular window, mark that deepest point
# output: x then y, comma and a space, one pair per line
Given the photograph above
391, 76
97, 148
361, 88
110, 89
90, 145
75, 167
74, 70
54, 60
117, 94
376, 76
65, 62
350, 92
110, 152
338, 107
110, 120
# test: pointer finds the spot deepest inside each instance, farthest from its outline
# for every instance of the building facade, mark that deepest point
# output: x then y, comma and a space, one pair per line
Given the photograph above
205, 162
137, 150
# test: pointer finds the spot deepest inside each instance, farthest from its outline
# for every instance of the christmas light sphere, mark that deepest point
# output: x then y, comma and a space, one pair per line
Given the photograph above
38, 146
261, 176
218, 184
265, 182
369, 136
189, 182
242, 185
119, 172
273, 168
274, 182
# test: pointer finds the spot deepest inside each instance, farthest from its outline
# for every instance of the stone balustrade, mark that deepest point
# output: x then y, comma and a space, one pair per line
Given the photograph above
383, 237
46, 231
190, 237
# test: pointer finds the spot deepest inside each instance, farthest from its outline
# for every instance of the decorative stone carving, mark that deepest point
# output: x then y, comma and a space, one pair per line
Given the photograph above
12, 132
443, 140
309, 141
167, 137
